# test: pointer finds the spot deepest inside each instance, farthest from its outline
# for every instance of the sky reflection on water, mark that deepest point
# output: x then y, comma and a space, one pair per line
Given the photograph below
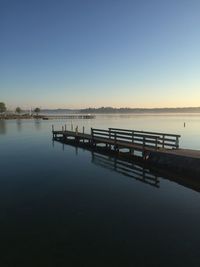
71, 207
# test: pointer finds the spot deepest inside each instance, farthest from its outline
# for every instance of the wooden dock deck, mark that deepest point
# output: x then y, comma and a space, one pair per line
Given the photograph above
120, 139
158, 148
190, 153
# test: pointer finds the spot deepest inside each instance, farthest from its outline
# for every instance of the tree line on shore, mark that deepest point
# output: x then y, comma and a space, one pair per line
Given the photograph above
107, 110
18, 110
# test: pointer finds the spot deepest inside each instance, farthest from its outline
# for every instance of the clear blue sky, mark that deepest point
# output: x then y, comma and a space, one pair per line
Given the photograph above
80, 53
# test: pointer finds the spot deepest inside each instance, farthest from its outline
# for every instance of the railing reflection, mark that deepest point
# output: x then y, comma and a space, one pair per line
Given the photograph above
135, 170
126, 168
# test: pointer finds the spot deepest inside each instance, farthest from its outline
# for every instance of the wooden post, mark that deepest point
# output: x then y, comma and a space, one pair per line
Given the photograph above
115, 141
109, 133
92, 136
144, 139
109, 138
156, 143
52, 128
177, 142
62, 128
65, 127
83, 134
76, 130
163, 141
143, 144
132, 136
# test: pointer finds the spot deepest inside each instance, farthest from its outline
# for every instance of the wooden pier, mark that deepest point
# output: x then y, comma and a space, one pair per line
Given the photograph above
119, 140
158, 148
69, 116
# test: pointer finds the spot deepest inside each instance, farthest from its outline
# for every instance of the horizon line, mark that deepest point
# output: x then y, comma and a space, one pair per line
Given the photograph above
110, 107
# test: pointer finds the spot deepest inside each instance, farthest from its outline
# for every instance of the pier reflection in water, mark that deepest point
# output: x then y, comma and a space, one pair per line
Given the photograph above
128, 169
59, 208
134, 169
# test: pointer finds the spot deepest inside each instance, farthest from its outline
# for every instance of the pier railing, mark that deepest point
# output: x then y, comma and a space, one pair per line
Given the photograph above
164, 140
147, 139
124, 138
118, 136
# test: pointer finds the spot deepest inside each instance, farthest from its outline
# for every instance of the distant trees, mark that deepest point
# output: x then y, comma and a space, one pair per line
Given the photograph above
37, 111
18, 110
2, 107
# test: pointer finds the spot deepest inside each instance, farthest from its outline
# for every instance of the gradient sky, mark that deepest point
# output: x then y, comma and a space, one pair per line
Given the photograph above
81, 53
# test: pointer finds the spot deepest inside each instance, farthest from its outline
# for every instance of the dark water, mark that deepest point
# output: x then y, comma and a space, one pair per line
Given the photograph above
65, 206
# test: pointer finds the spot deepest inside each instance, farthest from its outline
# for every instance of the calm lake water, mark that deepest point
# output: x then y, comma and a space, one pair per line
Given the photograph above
65, 206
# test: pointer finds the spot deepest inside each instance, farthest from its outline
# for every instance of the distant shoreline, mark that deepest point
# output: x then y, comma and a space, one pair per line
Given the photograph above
75, 115
95, 111
46, 116
111, 110
16, 117
140, 110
